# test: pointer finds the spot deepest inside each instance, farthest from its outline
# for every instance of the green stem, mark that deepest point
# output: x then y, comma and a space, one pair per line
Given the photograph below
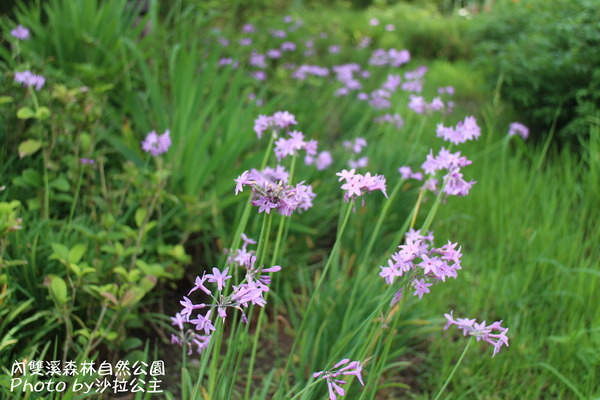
46, 186
454, 369
382, 215
333, 255
306, 389
76, 197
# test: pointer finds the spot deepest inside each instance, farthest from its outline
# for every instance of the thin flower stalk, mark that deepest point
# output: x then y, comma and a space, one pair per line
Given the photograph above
334, 253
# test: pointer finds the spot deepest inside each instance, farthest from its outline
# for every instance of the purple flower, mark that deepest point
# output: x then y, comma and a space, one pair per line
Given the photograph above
324, 160
373, 22
199, 284
87, 161
481, 331
241, 181
331, 375
274, 53
248, 28
284, 119
20, 32
259, 75
288, 46
188, 307
421, 287
204, 323
157, 144
245, 41
178, 321
390, 28
218, 277
516, 128
357, 185
258, 60
29, 79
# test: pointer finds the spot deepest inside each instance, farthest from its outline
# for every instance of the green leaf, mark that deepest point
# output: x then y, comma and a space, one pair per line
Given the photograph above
5, 99
75, 268
43, 113
77, 252
140, 215
25, 113
61, 251
29, 147
60, 183
58, 289
148, 283
131, 343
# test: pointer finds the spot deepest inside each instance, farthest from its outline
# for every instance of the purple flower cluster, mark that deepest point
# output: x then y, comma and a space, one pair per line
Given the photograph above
322, 161
29, 79
356, 185
332, 375
157, 144
249, 292
303, 71
345, 74
463, 131
454, 183
277, 121
268, 195
420, 106
516, 128
20, 32
414, 80
407, 173
394, 119
481, 331
356, 147
288, 147
424, 263
392, 57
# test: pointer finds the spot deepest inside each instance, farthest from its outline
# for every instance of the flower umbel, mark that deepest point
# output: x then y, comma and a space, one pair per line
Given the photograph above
331, 375
481, 331
157, 144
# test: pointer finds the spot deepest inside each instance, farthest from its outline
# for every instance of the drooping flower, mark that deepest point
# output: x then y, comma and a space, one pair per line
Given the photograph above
516, 128
331, 376
481, 331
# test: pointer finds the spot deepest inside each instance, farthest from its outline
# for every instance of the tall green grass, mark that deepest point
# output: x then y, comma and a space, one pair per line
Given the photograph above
530, 237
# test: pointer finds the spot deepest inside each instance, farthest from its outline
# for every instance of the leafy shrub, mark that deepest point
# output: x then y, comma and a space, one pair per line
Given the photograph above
547, 63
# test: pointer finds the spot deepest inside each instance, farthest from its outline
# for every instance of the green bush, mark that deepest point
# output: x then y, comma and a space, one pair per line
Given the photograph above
548, 64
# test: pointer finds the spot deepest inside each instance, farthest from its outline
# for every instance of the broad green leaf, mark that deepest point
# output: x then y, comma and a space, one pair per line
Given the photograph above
140, 215
5, 99
58, 288
29, 147
25, 113
61, 251
148, 282
60, 183
77, 252
131, 343
43, 113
